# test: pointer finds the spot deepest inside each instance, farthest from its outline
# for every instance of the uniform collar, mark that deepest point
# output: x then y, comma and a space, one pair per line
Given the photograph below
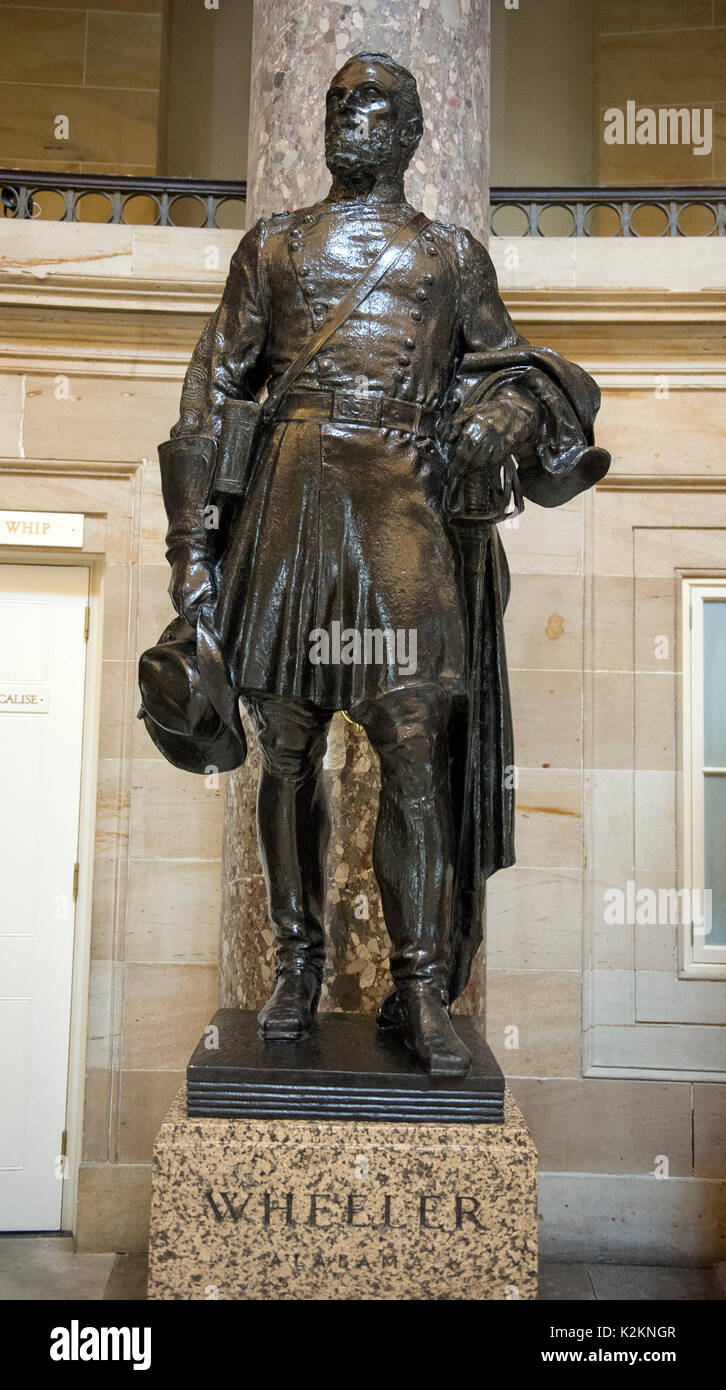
387, 194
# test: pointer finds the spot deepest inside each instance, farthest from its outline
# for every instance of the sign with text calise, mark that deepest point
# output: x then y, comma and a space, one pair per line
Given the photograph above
42, 528
18, 697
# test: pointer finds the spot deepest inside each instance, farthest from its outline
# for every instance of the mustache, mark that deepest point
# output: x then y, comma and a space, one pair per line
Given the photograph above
354, 137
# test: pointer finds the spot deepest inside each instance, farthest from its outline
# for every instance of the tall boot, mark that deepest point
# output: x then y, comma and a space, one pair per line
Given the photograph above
413, 862
419, 929
293, 831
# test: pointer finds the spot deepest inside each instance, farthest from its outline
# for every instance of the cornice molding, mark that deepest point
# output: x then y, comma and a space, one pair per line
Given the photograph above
127, 468
662, 482
71, 468
611, 304
699, 375
169, 364
111, 326
114, 292
163, 364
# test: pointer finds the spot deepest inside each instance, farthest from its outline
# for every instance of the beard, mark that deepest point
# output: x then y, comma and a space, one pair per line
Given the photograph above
357, 159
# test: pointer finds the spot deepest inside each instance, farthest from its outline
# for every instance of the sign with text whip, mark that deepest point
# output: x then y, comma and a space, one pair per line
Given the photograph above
42, 528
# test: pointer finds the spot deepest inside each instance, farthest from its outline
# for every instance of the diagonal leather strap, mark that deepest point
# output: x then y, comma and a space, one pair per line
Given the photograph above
337, 316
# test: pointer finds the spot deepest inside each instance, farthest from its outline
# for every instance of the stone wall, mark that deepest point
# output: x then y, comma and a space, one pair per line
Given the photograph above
96, 63
98, 323
605, 1083
660, 53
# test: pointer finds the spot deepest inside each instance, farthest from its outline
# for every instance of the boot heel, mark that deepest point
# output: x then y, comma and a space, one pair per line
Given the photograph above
388, 1014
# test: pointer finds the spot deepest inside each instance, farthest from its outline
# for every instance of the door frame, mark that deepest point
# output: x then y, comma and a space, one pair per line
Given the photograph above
112, 495
81, 964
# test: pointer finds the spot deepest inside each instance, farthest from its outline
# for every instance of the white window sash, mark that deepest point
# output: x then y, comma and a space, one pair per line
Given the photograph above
698, 959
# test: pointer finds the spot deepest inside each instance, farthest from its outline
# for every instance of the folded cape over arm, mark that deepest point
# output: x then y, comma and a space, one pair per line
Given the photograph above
565, 459
564, 462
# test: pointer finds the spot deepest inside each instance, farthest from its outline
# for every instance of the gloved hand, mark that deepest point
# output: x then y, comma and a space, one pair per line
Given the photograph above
191, 584
483, 443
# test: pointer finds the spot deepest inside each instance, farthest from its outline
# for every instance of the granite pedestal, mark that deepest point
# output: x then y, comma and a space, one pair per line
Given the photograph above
255, 1207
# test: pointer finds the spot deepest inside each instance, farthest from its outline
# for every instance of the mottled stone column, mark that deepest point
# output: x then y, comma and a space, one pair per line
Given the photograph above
297, 48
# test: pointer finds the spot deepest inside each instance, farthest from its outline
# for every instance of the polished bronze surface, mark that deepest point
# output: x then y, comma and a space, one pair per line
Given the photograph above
353, 562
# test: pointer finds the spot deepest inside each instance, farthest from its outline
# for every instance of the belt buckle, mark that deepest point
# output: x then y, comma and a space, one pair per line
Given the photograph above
365, 409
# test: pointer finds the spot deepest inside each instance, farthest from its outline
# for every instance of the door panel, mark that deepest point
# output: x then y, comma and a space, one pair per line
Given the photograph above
42, 675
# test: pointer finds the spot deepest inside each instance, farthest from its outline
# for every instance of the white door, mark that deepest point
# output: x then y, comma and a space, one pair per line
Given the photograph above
42, 673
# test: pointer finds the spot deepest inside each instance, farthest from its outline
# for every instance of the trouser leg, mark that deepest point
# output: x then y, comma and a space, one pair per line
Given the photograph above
293, 829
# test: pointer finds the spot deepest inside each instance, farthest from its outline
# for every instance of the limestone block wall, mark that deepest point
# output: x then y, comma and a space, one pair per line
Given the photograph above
98, 323
96, 62
548, 110
616, 1060
660, 53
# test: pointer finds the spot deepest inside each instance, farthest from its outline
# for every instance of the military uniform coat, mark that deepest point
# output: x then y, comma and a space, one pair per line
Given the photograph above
342, 523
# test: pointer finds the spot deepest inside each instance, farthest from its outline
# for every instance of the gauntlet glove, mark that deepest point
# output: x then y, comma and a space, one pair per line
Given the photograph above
187, 471
484, 442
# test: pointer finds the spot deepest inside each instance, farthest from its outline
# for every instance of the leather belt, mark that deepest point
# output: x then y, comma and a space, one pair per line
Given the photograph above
372, 408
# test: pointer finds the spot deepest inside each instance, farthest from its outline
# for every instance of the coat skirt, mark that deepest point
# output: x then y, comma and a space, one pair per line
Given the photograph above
339, 533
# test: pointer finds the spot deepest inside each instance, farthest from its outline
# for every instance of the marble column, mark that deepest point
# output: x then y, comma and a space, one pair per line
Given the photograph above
297, 47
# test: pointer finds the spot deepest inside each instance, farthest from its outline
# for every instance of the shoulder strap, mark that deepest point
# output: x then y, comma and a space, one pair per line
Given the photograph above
342, 311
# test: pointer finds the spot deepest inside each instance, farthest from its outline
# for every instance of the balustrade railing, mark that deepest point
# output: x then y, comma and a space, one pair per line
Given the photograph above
624, 211
581, 212
133, 201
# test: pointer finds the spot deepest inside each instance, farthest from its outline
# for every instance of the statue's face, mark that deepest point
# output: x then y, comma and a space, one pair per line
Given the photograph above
363, 132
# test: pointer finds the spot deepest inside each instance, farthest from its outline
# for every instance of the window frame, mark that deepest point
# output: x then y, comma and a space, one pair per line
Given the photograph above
698, 959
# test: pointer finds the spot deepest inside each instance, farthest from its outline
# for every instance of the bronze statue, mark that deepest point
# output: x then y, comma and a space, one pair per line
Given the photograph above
336, 549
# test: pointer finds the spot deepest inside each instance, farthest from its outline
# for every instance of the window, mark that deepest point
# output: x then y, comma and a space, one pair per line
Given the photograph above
704, 775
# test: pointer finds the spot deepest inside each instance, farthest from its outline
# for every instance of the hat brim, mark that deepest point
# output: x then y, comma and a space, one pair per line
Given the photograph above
221, 753
179, 717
